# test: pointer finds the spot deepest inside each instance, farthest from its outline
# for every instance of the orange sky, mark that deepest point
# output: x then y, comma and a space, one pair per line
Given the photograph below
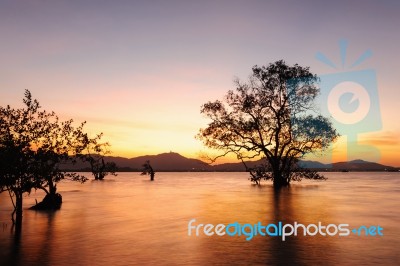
139, 72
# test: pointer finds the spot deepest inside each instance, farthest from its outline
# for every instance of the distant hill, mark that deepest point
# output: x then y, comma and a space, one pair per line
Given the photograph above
175, 162
361, 165
235, 167
314, 165
169, 162
162, 162
355, 165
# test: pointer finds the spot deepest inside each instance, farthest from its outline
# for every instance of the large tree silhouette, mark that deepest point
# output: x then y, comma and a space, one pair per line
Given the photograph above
271, 116
16, 175
34, 144
18, 130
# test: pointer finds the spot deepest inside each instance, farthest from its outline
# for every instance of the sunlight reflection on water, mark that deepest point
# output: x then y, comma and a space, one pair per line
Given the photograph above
128, 220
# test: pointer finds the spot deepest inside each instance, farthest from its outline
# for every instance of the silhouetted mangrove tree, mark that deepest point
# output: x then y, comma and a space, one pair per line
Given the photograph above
34, 144
271, 116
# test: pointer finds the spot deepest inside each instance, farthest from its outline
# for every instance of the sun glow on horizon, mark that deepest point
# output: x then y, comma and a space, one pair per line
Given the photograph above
139, 72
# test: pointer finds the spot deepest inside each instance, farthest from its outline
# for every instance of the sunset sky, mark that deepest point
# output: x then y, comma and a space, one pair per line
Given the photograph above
140, 70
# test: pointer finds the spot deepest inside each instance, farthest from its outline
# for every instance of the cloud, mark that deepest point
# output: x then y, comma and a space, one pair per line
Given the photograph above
389, 138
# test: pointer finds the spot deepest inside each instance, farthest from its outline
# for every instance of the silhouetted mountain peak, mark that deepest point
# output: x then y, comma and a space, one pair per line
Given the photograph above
358, 161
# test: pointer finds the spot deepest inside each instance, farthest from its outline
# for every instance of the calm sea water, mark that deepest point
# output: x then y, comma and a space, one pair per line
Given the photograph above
127, 220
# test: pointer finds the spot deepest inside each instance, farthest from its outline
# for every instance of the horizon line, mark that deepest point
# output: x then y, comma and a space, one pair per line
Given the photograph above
236, 161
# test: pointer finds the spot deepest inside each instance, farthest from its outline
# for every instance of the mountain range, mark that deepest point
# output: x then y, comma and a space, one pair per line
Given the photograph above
172, 161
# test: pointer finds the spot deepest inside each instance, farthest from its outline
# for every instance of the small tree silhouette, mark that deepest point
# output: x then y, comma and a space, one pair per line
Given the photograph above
96, 151
148, 170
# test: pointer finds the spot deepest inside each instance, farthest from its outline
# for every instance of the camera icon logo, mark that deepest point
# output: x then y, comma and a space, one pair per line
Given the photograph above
344, 102
351, 98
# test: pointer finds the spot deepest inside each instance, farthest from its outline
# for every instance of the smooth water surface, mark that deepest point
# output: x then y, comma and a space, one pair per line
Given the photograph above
128, 220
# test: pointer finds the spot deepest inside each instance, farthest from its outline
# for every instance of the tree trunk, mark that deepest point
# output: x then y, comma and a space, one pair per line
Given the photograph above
279, 179
49, 202
52, 187
18, 210
52, 200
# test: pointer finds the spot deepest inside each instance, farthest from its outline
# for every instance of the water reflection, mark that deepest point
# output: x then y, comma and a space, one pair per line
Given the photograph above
129, 221
45, 239
283, 252
38, 247
269, 206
